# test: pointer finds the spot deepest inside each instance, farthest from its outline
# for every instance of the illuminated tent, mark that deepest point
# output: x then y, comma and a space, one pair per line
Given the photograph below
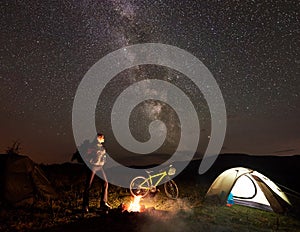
249, 188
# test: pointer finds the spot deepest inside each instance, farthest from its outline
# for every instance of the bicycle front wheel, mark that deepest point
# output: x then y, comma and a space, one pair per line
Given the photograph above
171, 189
139, 186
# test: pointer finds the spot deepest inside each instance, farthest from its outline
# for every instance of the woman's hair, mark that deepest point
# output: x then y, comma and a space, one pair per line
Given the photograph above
95, 141
100, 135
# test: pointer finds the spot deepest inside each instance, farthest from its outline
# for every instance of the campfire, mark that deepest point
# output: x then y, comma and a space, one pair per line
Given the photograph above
134, 205
136, 208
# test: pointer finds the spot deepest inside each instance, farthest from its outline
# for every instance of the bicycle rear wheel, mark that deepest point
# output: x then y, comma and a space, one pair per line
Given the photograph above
139, 186
171, 189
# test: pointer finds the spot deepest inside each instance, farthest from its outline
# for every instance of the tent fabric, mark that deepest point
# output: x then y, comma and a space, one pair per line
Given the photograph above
22, 180
249, 188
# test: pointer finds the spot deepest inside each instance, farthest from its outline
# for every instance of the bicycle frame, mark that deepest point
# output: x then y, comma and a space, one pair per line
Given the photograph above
151, 177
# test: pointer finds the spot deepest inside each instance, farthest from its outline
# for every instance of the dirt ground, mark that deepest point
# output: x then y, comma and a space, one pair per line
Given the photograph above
161, 214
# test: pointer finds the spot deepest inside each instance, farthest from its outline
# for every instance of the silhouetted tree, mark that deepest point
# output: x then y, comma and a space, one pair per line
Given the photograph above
14, 148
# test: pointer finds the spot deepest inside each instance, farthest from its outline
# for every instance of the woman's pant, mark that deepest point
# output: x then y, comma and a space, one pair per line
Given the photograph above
88, 185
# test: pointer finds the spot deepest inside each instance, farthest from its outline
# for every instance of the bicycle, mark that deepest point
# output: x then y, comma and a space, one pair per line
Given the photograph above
141, 186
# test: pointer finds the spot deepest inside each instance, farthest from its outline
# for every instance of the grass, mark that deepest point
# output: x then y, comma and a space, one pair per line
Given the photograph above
188, 213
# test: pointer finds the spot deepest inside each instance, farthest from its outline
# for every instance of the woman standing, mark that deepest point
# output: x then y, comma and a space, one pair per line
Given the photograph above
96, 157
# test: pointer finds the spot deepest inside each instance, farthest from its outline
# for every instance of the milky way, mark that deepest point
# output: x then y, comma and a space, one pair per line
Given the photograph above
250, 47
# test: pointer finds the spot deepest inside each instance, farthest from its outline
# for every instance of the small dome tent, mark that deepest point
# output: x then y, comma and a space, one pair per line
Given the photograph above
249, 188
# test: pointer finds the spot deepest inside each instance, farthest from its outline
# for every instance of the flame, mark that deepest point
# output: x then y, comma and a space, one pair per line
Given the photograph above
135, 205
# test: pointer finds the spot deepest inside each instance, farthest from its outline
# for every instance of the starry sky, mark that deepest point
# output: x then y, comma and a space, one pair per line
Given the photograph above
250, 47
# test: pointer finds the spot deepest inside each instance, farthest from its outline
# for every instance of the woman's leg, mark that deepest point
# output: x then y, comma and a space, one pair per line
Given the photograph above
104, 190
88, 185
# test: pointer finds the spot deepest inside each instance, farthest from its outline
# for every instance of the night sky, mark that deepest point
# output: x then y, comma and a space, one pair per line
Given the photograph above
250, 47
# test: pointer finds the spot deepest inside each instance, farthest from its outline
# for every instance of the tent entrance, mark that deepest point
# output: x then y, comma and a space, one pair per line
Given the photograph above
247, 192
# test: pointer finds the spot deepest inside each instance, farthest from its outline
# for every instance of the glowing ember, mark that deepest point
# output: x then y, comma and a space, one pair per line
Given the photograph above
135, 205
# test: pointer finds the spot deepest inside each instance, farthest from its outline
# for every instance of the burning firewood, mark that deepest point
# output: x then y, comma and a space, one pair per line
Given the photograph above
134, 205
